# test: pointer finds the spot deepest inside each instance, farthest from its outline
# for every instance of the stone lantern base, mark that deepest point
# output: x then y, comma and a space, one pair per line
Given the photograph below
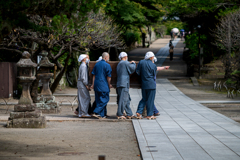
26, 116
47, 104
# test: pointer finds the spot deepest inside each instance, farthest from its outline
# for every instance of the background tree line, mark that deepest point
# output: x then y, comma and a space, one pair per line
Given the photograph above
66, 29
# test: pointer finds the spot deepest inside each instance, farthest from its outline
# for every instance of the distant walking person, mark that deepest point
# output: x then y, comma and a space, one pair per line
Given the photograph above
83, 89
171, 34
171, 50
101, 83
124, 69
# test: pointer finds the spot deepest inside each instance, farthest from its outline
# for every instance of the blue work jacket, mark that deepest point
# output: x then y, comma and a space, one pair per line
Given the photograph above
124, 69
101, 70
147, 71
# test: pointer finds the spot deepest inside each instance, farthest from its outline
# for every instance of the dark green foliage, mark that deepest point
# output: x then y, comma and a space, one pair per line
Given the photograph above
13, 13
131, 37
132, 14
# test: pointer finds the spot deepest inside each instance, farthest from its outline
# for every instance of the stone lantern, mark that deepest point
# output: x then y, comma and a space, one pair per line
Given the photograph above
25, 114
26, 76
46, 101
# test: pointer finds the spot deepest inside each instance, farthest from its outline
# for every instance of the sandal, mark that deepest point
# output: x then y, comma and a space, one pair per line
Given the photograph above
131, 117
105, 117
76, 112
97, 116
157, 114
86, 116
121, 117
139, 116
150, 117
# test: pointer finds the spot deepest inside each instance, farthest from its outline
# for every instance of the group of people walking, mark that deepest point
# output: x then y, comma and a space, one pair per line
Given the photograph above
101, 84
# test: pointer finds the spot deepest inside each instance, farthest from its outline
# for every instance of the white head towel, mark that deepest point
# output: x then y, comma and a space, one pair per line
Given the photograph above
149, 55
99, 59
81, 57
155, 59
121, 55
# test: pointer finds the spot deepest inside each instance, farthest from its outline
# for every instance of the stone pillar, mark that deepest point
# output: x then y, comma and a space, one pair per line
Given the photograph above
25, 114
46, 101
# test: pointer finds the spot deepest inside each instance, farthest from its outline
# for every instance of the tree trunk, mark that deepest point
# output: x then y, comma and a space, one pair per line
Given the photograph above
143, 40
227, 65
116, 52
60, 75
150, 35
143, 37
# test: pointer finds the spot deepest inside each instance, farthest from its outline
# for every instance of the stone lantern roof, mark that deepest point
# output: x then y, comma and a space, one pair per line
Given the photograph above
45, 61
25, 61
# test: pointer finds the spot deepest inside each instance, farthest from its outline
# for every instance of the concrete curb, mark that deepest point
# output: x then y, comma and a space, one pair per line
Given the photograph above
60, 104
219, 102
72, 119
74, 95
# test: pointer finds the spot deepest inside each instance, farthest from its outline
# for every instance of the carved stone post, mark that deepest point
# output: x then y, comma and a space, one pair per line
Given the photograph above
25, 114
46, 101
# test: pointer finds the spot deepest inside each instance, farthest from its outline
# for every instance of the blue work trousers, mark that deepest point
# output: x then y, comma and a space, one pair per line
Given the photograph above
148, 97
155, 111
123, 101
101, 99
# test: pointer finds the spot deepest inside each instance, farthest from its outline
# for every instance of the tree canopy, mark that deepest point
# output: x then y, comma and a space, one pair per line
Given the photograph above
13, 13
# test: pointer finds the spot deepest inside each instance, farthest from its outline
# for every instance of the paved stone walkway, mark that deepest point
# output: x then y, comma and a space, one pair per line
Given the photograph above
185, 129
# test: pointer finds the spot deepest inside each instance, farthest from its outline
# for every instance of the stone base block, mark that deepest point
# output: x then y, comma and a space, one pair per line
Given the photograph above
39, 122
24, 107
46, 99
34, 114
52, 107
17, 115
49, 99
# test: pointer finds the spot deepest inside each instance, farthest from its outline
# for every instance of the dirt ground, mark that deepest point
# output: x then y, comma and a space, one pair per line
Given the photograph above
206, 93
230, 110
202, 92
70, 140
83, 140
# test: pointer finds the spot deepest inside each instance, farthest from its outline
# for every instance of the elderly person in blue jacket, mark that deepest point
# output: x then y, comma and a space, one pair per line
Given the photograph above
101, 84
124, 69
147, 71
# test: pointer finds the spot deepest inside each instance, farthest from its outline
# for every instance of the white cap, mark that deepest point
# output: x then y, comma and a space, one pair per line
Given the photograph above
155, 59
149, 55
81, 57
99, 59
121, 55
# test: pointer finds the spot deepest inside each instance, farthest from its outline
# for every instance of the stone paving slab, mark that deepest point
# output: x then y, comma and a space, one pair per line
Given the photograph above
185, 129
